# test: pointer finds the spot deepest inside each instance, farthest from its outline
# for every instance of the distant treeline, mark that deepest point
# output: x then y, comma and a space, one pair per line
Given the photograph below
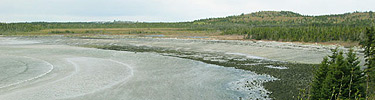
302, 33
18, 27
290, 26
264, 25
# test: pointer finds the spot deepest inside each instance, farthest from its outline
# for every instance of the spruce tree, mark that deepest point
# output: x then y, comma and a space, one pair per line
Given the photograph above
339, 71
369, 45
333, 56
338, 78
319, 76
333, 83
355, 77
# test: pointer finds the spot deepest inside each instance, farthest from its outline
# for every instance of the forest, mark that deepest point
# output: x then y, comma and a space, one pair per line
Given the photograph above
341, 78
262, 25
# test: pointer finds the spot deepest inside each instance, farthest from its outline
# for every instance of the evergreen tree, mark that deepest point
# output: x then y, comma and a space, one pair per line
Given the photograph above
338, 78
356, 76
333, 82
333, 56
319, 76
338, 71
369, 46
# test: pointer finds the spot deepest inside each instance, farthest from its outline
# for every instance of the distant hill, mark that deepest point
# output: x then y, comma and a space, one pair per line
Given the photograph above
287, 18
291, 26
262, 25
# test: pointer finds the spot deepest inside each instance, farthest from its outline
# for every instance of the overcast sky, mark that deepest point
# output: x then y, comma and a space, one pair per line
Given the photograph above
164, 10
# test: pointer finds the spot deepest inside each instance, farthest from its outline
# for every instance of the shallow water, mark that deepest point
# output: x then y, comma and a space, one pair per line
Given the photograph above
66, 72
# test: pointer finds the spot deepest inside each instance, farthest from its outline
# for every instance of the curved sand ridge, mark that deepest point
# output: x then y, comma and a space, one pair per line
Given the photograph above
91, 75
17, 70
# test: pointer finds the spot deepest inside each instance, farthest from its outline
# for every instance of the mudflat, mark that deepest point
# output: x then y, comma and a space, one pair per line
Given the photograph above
45, 68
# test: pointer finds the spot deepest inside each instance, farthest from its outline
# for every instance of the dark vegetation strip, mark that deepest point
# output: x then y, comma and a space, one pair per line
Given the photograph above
291, 80
302, 33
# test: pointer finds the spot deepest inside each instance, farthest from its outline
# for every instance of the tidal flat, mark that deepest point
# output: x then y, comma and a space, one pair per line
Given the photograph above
139, 68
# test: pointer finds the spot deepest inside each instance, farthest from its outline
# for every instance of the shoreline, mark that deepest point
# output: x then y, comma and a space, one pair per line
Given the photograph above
293, 75
78, 69
316, 51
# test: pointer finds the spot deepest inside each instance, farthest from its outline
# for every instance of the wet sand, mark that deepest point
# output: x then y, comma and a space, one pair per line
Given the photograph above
46, 69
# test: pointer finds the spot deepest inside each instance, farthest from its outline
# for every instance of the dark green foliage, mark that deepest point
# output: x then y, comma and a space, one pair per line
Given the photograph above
289, 26
356, 78
59, 32
333, 56
333, 83
339, 78
287, 18
18, 27
319, 77
302, 33
369, 45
